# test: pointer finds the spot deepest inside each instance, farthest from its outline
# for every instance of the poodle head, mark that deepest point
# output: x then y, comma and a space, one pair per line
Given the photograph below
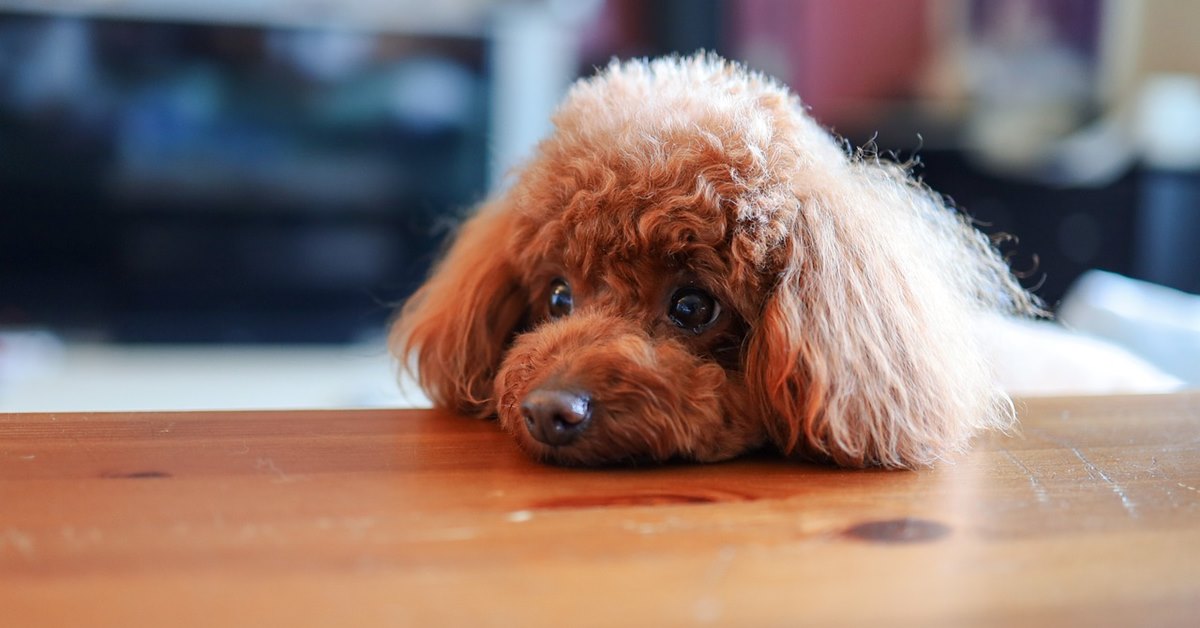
690, 267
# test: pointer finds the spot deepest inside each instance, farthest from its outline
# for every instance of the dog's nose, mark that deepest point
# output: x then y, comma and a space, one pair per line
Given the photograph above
556, 417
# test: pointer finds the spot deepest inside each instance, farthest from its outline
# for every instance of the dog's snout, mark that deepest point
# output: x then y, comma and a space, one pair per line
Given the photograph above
556, 417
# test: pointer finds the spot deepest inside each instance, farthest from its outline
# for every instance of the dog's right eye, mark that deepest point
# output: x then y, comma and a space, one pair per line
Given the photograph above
561, 302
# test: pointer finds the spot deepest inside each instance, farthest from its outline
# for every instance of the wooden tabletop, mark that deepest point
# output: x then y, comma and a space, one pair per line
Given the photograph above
1090, 517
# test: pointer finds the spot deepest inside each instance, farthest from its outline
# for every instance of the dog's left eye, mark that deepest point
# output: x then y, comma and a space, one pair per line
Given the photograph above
693, 309
561, 301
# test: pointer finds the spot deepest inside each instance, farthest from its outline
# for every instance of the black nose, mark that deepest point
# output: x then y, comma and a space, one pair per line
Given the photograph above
556, 417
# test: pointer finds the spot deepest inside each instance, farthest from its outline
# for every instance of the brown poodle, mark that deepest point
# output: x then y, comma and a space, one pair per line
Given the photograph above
691, 267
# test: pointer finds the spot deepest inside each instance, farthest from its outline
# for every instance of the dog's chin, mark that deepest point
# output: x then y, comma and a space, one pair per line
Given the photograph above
581, 455
594, 448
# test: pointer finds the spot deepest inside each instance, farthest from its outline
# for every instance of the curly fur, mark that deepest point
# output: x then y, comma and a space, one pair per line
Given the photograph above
850, 293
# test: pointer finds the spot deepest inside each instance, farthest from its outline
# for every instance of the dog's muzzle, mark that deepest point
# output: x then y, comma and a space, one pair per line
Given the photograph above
556, 417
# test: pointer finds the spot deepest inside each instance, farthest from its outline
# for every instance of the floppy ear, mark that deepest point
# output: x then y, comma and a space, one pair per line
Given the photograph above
864, 352
453, 331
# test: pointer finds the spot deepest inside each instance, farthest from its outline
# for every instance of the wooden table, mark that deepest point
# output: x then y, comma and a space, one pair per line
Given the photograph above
349, 518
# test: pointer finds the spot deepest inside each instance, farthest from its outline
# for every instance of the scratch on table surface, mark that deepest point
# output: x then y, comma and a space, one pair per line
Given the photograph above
1190, 488
269, 464
708, 607
1116, 488
218, 519
642, 528
519, 516
720, 565
1039, 490
358, 526
458, 533
442, 534
257, 531
1092, 471
653, 527
1087, 464
89, 535
20, 541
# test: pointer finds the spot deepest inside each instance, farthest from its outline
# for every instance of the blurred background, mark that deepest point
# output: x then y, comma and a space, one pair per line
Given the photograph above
218, 203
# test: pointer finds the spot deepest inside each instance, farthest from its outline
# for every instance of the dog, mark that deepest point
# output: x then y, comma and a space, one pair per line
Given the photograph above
690, 267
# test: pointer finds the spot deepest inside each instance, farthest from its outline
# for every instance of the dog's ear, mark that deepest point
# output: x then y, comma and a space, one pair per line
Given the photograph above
864, 352
453, 331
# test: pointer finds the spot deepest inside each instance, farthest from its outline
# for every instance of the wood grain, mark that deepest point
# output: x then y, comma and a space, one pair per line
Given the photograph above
1091, 516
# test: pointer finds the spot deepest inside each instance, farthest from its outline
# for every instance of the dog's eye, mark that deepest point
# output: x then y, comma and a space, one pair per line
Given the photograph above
693, 309
561, 302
